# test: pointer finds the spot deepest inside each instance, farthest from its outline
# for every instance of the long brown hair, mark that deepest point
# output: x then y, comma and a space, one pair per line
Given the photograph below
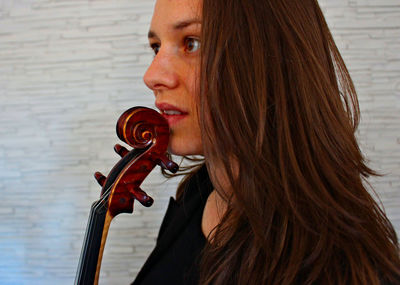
277, 100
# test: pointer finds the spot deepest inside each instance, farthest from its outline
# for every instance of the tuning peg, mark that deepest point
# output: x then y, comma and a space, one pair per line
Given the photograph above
165, 163
122, 151
141, 196
100, 178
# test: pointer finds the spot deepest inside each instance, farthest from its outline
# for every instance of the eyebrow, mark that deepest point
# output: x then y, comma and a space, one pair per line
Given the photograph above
177, 26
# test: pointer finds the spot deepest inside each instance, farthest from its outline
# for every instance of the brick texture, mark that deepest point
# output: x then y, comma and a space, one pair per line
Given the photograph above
68, 69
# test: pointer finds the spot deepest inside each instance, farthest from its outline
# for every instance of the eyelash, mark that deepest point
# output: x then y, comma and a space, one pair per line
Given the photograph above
156, 46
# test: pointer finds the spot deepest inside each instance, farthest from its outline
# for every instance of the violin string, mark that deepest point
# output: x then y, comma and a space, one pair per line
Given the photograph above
106, 194
99, 203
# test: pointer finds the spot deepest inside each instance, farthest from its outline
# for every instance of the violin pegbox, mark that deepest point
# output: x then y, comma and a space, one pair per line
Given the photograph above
147, 132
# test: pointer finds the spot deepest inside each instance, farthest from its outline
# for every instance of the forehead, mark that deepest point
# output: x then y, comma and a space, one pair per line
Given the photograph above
169, 12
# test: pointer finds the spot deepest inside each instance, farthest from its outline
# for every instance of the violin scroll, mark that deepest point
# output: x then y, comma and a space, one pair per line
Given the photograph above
139, 127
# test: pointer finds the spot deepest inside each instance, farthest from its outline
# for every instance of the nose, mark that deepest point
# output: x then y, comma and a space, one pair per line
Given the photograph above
162, 73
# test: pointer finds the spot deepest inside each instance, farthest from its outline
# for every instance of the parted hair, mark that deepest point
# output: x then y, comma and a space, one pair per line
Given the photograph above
278, 114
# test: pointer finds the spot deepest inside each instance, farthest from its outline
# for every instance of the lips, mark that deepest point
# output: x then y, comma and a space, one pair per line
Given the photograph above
171, 113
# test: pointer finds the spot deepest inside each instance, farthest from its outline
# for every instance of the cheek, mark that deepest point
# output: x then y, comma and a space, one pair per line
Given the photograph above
191, 76
187, 143
186, 137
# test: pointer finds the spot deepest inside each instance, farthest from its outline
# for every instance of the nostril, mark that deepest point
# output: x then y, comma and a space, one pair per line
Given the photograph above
157, 86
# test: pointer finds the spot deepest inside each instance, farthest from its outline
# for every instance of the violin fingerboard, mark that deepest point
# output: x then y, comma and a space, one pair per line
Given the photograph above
92, 248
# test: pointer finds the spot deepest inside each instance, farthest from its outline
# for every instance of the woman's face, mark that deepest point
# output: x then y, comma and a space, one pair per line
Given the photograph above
174, 73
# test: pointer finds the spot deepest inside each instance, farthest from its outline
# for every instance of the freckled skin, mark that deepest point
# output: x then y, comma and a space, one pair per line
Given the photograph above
174, 73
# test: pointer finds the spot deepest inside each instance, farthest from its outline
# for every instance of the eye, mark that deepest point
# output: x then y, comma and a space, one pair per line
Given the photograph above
192, 45
155, 48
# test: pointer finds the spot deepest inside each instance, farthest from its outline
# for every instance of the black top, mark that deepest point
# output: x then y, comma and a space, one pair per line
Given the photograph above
175, 257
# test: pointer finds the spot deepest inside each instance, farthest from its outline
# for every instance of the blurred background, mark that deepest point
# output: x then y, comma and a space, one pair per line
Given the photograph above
69, 68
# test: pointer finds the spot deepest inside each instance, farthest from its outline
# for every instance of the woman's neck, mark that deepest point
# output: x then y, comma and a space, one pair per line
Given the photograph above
213, 212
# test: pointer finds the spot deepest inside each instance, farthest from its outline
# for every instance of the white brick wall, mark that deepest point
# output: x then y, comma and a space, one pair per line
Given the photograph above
68, 69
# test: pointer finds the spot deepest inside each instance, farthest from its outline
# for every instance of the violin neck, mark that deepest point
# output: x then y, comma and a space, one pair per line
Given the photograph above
92, 251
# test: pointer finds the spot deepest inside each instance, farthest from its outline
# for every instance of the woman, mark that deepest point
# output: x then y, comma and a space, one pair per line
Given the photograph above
267, 100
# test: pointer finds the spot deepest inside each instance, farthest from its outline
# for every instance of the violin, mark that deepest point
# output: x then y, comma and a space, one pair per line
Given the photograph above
147, 132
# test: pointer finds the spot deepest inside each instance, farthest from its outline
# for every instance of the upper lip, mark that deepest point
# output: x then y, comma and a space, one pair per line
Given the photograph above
162, 106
